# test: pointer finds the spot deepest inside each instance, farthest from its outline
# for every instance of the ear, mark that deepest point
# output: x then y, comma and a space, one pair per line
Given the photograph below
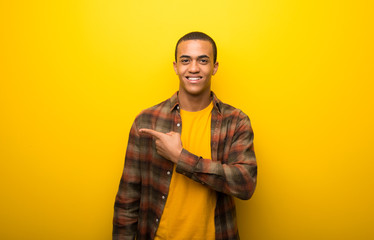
215, 68
175, 68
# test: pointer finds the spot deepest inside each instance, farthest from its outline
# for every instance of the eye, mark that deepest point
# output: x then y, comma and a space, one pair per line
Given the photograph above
185, 60
203, 61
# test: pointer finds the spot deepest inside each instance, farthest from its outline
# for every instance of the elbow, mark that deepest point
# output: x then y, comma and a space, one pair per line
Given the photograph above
245, 197
247, 193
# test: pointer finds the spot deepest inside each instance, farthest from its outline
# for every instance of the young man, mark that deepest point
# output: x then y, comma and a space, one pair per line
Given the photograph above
186, 159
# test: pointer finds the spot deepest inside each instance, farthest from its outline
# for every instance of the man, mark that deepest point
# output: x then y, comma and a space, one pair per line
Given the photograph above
186, 159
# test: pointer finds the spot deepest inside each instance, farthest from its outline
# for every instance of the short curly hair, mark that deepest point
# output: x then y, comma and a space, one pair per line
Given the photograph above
197, 36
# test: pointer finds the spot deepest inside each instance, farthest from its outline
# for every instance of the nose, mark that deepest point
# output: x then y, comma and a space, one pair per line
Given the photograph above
194, 67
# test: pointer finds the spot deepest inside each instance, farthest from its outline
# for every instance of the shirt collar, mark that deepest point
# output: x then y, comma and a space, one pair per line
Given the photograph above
217, 104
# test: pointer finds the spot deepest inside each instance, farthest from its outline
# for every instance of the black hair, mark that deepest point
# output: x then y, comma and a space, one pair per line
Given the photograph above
197, 36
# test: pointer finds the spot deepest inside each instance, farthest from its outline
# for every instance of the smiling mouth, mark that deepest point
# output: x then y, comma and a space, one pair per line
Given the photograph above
193, 79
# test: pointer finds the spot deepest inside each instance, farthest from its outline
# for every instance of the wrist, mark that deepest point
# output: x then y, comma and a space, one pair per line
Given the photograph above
177, 155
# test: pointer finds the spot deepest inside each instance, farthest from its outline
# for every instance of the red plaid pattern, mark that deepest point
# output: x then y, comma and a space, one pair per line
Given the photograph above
144, 185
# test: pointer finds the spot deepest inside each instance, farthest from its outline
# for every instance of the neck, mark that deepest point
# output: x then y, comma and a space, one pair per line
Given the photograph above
194, 103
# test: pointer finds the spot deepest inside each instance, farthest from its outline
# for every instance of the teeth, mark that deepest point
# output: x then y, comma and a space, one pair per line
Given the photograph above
194, 79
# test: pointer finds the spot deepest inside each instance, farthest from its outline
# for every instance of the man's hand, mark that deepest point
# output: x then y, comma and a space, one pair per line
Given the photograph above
168, 145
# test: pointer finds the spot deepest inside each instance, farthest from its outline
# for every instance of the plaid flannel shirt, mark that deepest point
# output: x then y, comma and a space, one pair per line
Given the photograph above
144, 185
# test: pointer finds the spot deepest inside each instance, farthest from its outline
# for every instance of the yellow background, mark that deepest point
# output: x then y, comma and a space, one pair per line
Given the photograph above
74, 74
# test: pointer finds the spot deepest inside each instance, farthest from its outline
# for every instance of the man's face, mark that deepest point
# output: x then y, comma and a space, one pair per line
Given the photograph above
195, 66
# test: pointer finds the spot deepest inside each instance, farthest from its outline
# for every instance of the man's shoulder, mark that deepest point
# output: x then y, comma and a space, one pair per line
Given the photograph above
229, 111
164, 106
235, 118
160, 110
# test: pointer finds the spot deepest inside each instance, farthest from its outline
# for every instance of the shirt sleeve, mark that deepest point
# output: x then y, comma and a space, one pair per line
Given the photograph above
236, 176
126, 207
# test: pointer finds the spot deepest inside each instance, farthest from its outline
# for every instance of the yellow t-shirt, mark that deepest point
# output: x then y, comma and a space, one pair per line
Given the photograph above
189, 209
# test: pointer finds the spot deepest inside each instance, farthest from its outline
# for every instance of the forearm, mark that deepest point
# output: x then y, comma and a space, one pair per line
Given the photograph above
236, 179
126, 210
127, 203
124, 227
234, 172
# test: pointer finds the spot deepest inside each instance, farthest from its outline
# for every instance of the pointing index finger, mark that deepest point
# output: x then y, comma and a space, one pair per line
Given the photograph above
151, 132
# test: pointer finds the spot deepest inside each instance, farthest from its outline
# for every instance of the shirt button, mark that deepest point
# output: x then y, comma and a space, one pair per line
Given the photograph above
178, 124
156, 219
177, 107
163, 197
168, 172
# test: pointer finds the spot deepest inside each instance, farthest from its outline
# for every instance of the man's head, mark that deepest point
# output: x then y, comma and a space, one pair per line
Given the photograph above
197, 36
195, 64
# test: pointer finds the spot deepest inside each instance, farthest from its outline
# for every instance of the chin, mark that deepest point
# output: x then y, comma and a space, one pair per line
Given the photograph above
194, 89
196, 92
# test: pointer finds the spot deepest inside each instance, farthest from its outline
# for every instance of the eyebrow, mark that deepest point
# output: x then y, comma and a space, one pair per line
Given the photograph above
199, 57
